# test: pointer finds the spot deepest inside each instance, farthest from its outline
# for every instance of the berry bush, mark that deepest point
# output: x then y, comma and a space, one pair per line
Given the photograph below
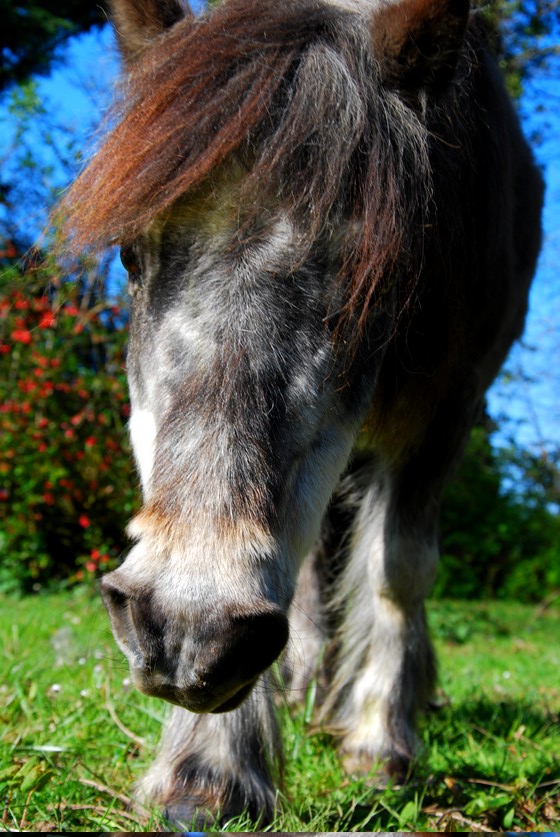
67, 480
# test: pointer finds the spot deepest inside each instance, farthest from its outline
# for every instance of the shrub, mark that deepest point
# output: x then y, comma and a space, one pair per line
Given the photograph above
67, 483
500, 525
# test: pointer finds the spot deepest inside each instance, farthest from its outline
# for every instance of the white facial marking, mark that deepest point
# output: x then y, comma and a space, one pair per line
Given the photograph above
142, 429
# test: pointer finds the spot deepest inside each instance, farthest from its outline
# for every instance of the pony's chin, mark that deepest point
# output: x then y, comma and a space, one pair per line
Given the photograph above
200, 702
234, 701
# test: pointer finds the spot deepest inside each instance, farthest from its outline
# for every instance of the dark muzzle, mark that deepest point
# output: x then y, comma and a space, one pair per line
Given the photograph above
207, 665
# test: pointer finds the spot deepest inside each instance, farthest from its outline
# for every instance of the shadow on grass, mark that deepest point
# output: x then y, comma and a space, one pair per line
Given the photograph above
490, 764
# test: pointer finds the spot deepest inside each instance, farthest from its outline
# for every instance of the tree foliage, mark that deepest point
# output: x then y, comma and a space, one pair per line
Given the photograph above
500, 523
32, 32
529, 37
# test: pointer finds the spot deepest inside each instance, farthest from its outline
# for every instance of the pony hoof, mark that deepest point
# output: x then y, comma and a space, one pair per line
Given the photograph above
194, 813
186, 817
392, 769
438, 701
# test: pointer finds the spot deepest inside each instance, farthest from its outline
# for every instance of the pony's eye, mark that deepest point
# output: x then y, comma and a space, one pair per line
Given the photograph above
130, 262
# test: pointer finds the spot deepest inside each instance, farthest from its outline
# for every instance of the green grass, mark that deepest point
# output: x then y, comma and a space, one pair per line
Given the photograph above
74, 736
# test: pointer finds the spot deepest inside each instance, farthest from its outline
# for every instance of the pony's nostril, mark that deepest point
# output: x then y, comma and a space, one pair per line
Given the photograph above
132, 621
248, 646
117, 602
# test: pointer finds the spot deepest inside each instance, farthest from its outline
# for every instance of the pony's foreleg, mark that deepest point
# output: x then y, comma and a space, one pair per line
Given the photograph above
384, 668
214, 766
300, 664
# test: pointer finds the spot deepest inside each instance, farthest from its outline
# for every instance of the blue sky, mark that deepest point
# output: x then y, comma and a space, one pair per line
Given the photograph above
537, 355
78, 92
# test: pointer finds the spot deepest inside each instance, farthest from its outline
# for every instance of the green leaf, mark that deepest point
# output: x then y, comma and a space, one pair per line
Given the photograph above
8, 773
485, 802
409, 813
507, 820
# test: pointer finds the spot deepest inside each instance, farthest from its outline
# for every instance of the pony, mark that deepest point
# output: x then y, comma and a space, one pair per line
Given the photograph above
330, 220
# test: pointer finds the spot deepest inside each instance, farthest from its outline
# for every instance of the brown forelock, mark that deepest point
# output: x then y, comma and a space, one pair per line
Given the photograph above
319, 136
190, 101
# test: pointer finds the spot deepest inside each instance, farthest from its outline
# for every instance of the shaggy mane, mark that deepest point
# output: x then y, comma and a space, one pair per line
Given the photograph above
292, 89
